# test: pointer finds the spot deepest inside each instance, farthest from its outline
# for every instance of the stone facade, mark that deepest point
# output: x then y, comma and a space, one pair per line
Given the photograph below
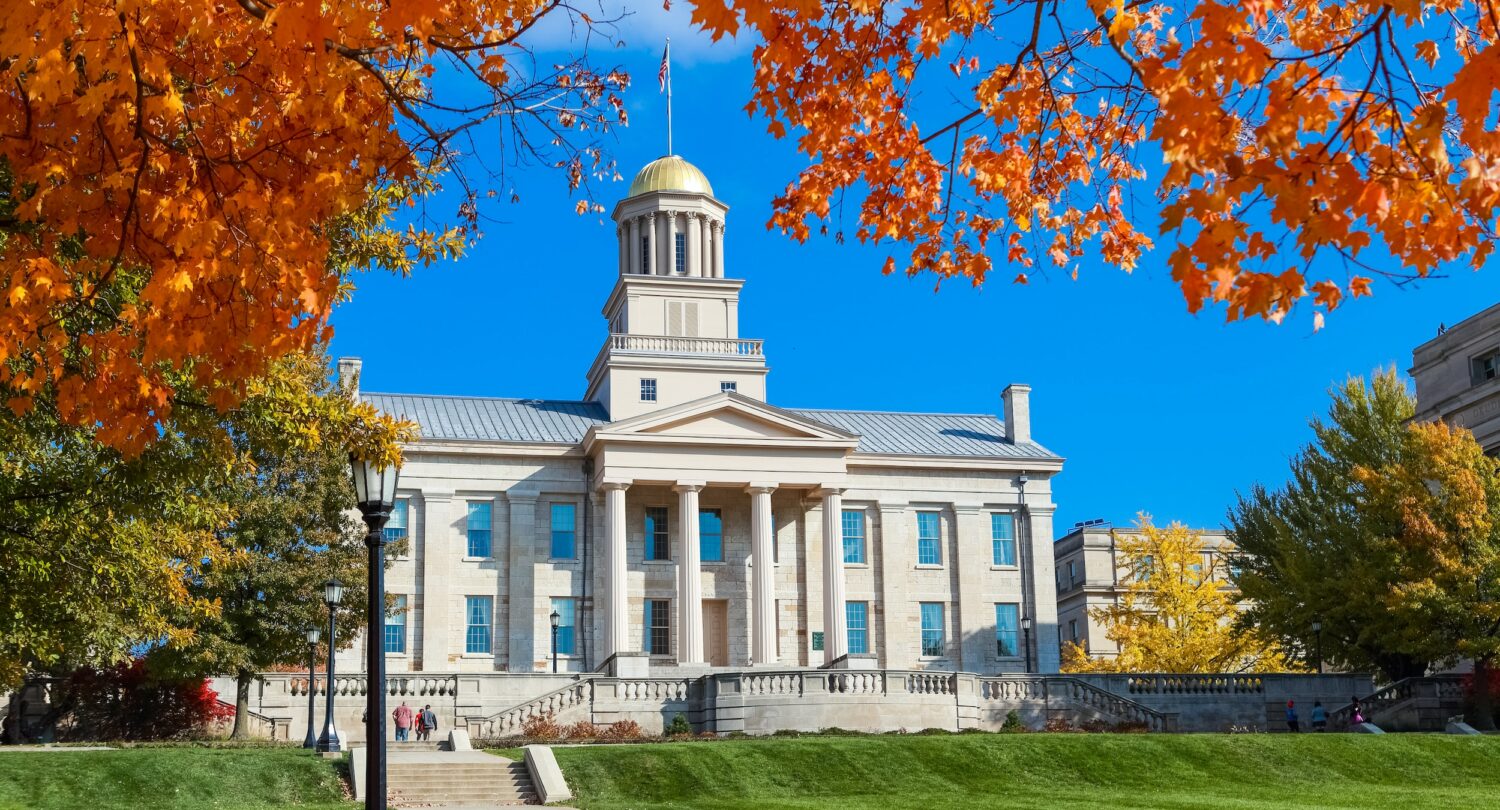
1089, 575
947, 516
1457, 375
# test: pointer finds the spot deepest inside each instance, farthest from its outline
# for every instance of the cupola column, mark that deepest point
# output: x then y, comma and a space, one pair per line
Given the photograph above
633, 248
651, 243
622, 234
694, 246
671, 243
718, 250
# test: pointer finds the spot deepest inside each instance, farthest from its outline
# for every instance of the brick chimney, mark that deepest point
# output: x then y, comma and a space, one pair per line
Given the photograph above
1017, 401
349, 368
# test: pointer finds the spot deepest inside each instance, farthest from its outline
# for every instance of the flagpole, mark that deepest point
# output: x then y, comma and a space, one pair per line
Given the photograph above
668, 59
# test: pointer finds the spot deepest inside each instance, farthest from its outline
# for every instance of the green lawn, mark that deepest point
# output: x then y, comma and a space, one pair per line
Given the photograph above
183, 778
1042, 771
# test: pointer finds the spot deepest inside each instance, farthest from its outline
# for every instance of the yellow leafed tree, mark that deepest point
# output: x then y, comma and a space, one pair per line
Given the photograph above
1173, 614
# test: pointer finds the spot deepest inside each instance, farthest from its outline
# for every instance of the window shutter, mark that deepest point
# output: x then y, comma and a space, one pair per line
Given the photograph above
674, 318
690, 319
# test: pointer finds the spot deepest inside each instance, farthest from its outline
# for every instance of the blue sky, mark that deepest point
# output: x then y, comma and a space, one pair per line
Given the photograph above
1154, 409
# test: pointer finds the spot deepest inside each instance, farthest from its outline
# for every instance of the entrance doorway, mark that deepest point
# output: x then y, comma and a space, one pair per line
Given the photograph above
716, 632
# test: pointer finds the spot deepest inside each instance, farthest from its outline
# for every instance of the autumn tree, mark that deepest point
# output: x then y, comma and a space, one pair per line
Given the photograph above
169, 172
1388, 533
1174, 613
1279, 148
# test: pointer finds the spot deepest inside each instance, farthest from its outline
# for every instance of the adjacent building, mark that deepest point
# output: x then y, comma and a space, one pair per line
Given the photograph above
1091, 574
1457, 375
673, 518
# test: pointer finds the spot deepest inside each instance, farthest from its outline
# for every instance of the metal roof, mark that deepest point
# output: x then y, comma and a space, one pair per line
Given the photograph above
928, 434
484, 419
551, 421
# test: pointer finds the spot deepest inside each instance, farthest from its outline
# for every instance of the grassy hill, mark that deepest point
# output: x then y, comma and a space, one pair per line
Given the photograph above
1042, 771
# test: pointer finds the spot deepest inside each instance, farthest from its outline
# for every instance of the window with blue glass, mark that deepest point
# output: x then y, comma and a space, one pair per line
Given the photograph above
395, 627
567, 620
932, 629
681, 253
1007, 629
928, 546
857, 616
648, 390
1003, 537
658, 538
854, 536
658, 626
395, 528
479, 611
564, 531
711, 535
645, 254
478, 529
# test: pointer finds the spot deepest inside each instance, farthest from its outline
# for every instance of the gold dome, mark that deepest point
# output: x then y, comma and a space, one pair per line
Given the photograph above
670, 173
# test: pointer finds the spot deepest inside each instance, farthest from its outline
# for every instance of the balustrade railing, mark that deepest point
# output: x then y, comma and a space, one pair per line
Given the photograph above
685, 345
1013, 689
776, 683
856, 683
1443, 688
928, 683
1173, 684
664, 690
415, 686
1109, 703
511, 720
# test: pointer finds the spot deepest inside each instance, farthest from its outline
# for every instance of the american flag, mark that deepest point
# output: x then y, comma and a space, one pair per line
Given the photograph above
664, 72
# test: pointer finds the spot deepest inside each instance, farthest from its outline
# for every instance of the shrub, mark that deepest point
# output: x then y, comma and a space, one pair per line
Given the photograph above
582, 730
679, 726
1012, 722
1058, 725
933, 732
128, 702
622, 730
541, 727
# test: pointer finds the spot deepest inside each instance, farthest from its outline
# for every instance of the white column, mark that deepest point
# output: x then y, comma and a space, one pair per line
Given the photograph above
689, 575
835, 622
671, 243
652, 243
694, 248
763, 599
705, 243
621, 232
616, 620
718, 250
633, 249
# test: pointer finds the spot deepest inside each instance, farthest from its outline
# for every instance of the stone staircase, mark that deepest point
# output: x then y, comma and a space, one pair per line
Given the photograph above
457, 779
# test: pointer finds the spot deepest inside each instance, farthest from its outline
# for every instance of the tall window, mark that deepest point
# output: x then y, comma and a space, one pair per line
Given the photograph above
567, 619
648, 390
1073, 629
680, 251
658, 540
711, 535
1486, 367
479, 528
395, 627
1003, 537
1007, 629
728, 385
564, 531
857, 616
932, 629
395, 528
645, 254
928, 547
1072, 573
478, 610
657, 626
854, 536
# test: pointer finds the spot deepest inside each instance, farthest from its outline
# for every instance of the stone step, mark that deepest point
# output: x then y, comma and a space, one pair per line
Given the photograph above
469, 780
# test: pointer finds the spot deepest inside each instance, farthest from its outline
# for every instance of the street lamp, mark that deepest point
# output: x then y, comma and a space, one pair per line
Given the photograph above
311, 741
556, 620
333, 593
375, 495
1317, 628
1026, 640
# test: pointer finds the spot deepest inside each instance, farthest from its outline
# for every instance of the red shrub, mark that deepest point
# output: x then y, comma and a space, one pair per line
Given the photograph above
126, 702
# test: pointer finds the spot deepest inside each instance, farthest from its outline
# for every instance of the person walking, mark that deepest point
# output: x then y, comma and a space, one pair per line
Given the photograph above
1357, 716
1319, 716
429, 719
402, 716
421, 726
1291, 717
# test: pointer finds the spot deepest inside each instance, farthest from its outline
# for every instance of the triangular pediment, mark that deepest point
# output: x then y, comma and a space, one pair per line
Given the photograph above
726, 416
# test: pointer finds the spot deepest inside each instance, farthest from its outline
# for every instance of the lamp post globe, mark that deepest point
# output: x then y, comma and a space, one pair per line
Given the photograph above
1317, 628
1026, 639
328, 742
375, 495
556, 620
311, 740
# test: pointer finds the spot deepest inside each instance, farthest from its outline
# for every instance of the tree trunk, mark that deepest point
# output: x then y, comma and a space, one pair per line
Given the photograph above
1483, 718
241, 705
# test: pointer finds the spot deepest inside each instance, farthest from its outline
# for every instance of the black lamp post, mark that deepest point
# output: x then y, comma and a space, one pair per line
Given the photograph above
1026, 640
311, 740
1317, 628
556, 619
333, 593
375, 495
